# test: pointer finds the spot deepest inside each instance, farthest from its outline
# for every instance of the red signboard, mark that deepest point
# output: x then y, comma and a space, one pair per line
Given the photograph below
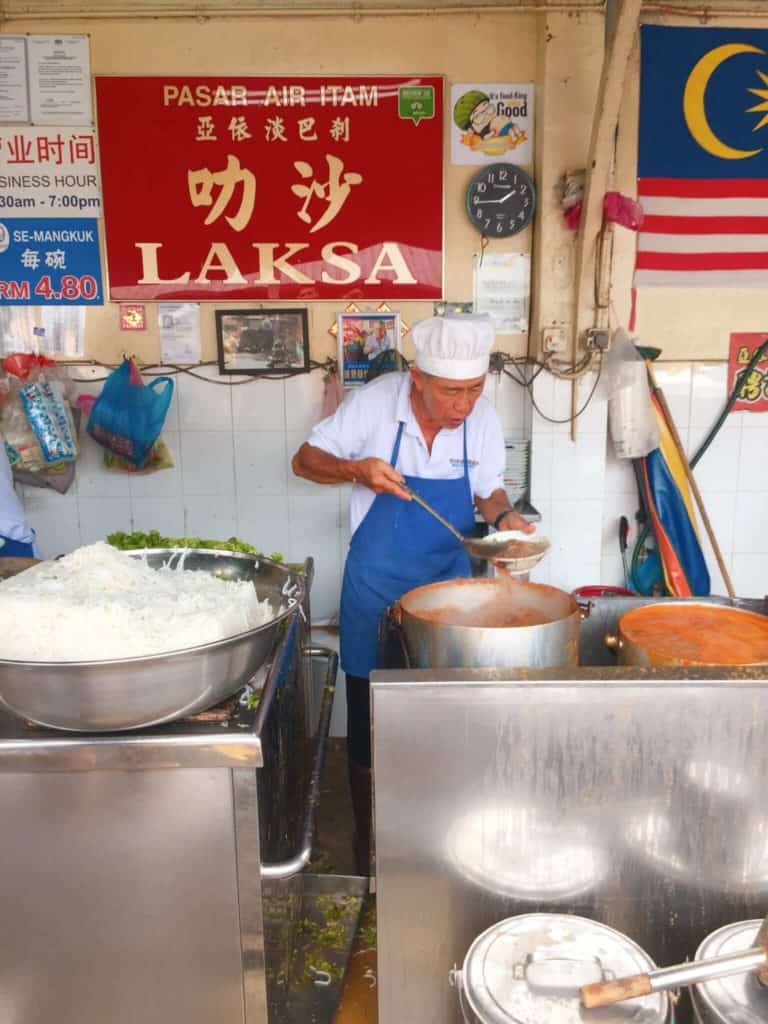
272, 188
753, 392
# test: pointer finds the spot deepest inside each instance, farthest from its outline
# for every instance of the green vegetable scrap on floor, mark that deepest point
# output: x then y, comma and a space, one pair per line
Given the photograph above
153, 539
329, 937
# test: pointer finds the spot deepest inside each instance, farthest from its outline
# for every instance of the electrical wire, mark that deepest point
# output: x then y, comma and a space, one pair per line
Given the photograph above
567, 419
173, 369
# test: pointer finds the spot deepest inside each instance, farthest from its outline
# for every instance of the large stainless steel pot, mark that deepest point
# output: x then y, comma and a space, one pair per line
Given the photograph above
132, 693
690, 633
529, 969
740, 998
490, 623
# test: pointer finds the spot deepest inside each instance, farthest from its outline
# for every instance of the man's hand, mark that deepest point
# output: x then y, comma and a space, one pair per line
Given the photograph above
513, 521
491, 508
380, 477
323, 468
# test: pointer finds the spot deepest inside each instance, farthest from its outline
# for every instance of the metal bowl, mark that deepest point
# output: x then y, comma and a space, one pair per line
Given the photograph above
132, 693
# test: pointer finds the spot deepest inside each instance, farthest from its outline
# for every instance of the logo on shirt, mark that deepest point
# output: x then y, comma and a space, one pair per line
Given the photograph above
459, 463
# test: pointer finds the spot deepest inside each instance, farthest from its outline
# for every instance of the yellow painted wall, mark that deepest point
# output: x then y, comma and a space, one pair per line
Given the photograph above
562, 53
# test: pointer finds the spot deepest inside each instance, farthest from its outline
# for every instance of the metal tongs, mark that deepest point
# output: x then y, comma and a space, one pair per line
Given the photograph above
680, 976
518, 551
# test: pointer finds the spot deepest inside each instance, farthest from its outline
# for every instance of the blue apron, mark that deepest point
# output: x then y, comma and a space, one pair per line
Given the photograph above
399, 546
14, 548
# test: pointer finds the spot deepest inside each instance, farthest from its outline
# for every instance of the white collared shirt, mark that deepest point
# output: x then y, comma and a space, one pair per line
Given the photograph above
365, 426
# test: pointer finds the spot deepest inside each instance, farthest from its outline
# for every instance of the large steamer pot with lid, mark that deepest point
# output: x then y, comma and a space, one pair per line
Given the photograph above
490, 623
740, 998
529, 969
679, 633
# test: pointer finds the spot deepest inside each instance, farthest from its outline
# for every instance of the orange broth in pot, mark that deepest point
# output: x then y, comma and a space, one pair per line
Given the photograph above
694, 634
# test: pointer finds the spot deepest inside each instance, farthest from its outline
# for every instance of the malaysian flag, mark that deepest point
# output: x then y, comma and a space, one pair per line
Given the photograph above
703, 158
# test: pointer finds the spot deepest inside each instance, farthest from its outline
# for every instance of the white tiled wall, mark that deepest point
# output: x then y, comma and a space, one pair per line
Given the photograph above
568, 479
232, 448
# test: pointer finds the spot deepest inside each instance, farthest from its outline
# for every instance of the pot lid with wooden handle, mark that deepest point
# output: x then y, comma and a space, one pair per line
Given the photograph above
529, 969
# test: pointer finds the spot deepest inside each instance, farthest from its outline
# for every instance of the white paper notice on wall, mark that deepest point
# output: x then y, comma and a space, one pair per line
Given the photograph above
492, 123
14, 95
179, 332
59, 80
502, 284
63, 330
43, 330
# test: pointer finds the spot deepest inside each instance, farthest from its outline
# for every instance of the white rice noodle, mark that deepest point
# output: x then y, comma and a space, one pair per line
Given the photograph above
98, 604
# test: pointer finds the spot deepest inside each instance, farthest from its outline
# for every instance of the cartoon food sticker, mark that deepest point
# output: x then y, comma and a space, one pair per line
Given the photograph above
486, 127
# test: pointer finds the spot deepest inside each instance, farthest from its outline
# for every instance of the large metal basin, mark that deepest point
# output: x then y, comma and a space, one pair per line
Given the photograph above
481, 623
107, 696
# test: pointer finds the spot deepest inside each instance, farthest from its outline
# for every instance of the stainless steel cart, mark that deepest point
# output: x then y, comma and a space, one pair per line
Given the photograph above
154, 876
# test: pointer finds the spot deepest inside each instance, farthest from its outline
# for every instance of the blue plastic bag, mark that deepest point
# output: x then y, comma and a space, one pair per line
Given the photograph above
128, 415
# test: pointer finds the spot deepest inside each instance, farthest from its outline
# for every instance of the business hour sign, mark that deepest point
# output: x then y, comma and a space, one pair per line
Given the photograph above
272, 188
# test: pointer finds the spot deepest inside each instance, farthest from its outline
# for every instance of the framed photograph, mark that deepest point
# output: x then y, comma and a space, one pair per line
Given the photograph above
365, 340
259, 341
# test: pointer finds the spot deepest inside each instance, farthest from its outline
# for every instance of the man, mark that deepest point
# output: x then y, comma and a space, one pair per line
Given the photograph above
16, 537
380, 341
433, 430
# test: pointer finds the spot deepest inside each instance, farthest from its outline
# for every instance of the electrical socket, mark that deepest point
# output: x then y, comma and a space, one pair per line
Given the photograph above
598, 340
553, 339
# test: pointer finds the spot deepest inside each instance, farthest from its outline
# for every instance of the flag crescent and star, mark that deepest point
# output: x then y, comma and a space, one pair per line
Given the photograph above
703, 158
693, 101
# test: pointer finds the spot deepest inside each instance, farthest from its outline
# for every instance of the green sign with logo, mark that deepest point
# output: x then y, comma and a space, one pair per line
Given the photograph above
415, 102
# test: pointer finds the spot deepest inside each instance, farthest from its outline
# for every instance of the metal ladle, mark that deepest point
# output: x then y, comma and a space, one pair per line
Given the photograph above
755, 959
518, 552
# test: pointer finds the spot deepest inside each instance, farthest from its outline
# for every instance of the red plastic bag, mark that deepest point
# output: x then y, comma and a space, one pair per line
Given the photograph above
21, 364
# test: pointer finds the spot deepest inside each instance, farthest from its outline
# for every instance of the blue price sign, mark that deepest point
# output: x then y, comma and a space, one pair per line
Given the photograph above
50, 262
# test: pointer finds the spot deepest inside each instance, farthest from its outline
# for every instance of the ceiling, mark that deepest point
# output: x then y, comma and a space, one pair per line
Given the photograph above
703, 10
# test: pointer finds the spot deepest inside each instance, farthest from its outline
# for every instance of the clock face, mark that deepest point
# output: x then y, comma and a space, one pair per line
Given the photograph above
500, 200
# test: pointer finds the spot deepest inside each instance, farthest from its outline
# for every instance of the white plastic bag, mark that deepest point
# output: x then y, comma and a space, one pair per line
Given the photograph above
631, 418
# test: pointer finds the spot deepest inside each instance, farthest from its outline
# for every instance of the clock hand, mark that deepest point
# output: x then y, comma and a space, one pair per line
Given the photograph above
487, 202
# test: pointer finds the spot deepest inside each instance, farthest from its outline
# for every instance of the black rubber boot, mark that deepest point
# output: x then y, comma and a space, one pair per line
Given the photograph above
360, 787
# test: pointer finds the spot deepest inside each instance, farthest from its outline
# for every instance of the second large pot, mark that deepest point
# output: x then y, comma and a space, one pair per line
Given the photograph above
490, 623
691, 633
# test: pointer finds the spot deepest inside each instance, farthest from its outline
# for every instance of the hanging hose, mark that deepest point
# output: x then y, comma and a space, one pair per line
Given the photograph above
700, 452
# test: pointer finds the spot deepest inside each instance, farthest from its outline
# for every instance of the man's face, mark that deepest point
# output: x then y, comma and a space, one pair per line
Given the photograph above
446, 402
380, 331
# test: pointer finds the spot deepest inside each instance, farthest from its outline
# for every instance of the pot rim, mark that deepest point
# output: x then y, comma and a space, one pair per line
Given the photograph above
542, 588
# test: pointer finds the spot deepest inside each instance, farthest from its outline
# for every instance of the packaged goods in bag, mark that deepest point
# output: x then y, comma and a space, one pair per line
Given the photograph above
128, 415
51, 422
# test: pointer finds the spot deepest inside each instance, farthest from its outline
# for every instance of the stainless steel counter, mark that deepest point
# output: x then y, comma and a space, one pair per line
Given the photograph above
633, 797
135, 866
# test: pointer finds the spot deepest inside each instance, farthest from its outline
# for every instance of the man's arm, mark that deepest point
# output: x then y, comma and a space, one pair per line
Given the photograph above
496, 503
321, 467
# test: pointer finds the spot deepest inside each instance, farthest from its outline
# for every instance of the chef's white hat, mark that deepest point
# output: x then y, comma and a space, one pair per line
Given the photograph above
456, 347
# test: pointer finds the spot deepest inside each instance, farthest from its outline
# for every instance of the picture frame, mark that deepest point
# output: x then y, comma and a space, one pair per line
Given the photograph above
362, 338
260, 342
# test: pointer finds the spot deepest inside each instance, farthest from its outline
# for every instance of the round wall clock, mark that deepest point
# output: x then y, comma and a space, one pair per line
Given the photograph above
500, 200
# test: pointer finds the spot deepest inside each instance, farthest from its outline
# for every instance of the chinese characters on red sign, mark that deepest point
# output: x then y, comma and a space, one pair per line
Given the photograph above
753, 390
272, 188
